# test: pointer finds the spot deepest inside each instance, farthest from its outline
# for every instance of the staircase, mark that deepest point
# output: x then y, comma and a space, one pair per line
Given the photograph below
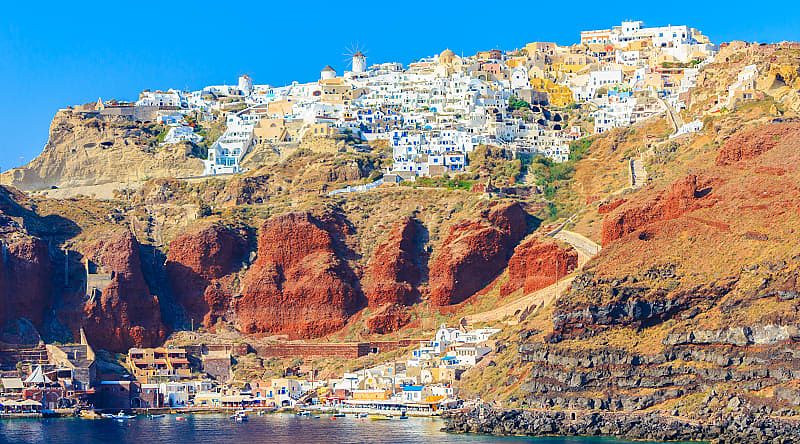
638, 173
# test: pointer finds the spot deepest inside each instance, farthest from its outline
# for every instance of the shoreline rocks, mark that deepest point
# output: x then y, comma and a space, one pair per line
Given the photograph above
727, 428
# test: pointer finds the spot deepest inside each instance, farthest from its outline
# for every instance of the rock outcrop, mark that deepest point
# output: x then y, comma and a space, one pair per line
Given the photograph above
750, 143
388, 319
393, 272
197, 264
725, 428
475, 252
84, 150
25, 278
684, 195
125, 313
595, 304
299, 285
537, 263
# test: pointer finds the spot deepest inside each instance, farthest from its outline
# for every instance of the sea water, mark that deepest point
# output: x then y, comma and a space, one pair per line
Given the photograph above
274, 428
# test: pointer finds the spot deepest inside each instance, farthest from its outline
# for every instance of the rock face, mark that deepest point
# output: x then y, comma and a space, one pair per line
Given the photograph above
639, 301
197, 264
536, 264
683, 196
724, 428
750, 143
393, 272
91, 150
125, 314
389, 319
298, 285
475, 252
25, 279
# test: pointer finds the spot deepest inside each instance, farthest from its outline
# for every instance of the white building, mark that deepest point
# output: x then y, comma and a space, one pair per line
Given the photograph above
359, 62
182, 133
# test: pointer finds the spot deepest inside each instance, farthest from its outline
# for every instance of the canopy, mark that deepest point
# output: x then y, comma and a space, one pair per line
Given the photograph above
12, 383
30, 402
37, 377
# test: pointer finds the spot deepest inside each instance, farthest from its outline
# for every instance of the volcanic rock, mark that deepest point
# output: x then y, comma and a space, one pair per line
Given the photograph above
684, 195
393, 272
298, 285
196, 264
536, 264
750, 143
389, 319
125, 314
475, 252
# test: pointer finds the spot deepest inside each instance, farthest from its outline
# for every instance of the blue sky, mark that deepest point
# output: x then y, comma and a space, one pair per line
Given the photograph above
53, 55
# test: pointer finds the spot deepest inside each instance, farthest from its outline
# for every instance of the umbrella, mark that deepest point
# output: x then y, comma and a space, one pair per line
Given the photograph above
30, 402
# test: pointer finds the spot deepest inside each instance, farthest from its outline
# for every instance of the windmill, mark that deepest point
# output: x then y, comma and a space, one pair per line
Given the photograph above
356, 58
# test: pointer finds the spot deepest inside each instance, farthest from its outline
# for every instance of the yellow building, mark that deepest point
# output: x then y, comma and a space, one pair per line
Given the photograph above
151, 365
557, 95
371, 395
271, 131
280, 108
516, 61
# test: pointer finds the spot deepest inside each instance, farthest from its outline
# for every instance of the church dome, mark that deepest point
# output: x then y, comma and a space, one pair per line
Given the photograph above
447, 57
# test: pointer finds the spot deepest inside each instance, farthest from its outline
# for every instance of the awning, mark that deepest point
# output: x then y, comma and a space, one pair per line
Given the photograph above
12, 383
37, 377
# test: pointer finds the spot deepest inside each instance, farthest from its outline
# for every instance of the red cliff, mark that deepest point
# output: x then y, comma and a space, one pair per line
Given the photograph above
750, 143
536, 264
393, 272
298, 285
475, 252
25, 279
388, 319
683, 196
125, 314
197, 266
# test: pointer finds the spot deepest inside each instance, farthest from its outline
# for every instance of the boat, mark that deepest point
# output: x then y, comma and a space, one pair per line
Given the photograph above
90, 414
180, 418
362, 415
379, 417
240, 416
304, 413
339, 415
119, 416
156, 416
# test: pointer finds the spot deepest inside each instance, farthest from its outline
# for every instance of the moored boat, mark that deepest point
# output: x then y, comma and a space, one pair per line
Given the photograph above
380, 417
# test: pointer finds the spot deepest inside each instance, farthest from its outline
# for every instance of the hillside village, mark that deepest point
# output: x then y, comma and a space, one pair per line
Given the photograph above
432, 114
438, 109
231, 296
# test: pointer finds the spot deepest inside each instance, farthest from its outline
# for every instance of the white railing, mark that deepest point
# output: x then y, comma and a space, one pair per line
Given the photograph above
357, 188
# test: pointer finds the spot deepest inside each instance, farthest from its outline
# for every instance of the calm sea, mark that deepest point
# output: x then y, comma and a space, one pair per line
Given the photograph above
280, 428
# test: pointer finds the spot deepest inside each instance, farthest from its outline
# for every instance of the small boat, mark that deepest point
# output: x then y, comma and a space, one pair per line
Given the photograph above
304, 413
379, 417
180, 418
261, 413
119, 416
90, 414
339, 415
403, 416
240, 416
362, 415
156, 416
